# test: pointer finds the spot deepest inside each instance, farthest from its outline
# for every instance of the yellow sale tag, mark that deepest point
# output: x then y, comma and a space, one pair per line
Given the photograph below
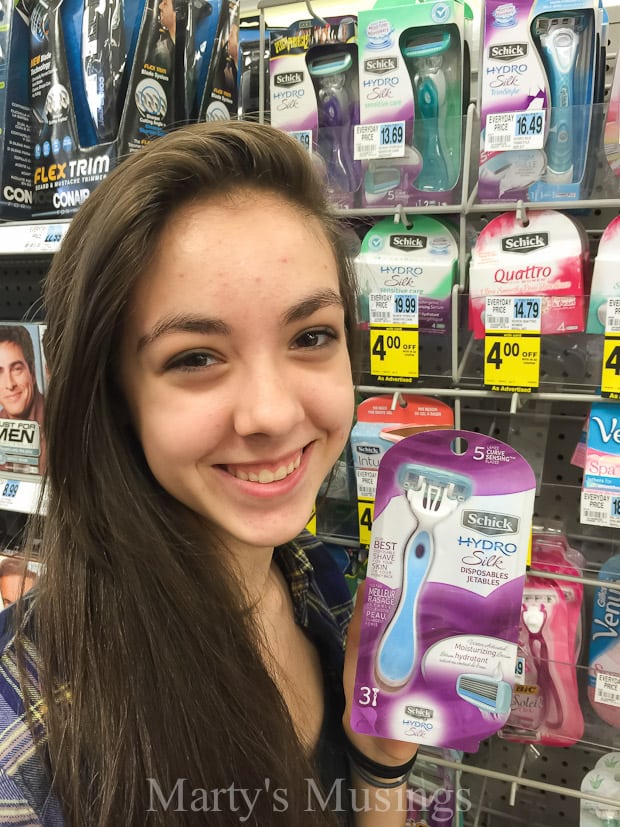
610, 381
311, 524
365, 514
394, 353
512, 361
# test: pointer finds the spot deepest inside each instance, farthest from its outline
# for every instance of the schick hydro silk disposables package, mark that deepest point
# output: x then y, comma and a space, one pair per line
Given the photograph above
442, 602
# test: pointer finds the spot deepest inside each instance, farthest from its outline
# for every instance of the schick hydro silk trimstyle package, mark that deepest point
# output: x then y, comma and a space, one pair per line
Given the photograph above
442, 601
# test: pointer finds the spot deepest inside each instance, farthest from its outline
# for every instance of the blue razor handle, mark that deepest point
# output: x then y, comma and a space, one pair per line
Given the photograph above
434, 174
396, 655
559, 48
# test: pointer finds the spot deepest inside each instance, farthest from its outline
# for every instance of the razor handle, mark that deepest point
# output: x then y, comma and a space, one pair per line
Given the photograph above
397, 651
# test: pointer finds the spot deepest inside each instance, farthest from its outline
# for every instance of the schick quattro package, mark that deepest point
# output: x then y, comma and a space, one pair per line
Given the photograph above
15, 168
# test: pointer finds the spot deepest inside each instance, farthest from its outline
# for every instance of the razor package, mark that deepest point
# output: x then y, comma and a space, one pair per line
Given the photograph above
15, 160
541, 98
414, 76
109, 76
443, 596
548, 257
314, 95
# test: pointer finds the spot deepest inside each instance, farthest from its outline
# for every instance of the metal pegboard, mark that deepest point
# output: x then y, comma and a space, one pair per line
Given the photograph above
21, 280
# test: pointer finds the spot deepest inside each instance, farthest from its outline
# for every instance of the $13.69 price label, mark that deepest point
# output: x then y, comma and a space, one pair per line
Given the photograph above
394, 353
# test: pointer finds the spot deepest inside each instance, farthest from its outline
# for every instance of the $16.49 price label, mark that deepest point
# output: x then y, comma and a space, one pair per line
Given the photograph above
394, 353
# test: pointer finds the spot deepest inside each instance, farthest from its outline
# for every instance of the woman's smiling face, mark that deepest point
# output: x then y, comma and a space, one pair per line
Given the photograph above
235, 365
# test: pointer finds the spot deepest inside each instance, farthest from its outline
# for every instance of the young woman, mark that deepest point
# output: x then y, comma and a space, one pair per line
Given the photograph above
182, 657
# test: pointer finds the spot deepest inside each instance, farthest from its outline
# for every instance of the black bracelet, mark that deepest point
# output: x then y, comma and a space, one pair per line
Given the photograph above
375, 782
375, 769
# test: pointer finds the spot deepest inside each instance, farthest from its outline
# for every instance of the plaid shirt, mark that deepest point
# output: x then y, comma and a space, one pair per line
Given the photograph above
322, 607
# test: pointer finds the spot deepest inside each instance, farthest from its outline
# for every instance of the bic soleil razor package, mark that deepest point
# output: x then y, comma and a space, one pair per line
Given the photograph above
601, 474
107, 78
418, 260
379, 424
604, 652
414, 71
545, 702
541, 77
548, 257
603, 781
314, 95
444, 582
15, 163
605, 279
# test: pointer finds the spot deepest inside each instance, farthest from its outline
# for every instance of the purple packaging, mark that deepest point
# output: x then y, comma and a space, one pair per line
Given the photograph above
442, 602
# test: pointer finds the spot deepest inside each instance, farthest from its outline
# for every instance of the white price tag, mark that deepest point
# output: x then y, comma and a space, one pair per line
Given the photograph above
607, 689
379, 140
304, 137
513, 313
366, 479
612, 316
515, 130
394, 308
600, 508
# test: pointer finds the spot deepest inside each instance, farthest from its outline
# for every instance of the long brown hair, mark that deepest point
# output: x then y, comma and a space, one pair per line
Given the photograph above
134, 616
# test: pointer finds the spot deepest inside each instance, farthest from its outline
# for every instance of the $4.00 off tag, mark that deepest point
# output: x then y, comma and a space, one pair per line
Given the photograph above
394, 353
610, 379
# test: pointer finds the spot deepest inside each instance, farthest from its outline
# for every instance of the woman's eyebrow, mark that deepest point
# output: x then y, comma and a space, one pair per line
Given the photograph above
309, 305
184, 324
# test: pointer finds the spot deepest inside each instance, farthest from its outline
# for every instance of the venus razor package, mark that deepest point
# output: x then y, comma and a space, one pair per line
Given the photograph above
605, 278
444, 584
604, 650
416, 260
414, 85
601, 474
541, 80
15, 161
547, 257
601, 782
314, 96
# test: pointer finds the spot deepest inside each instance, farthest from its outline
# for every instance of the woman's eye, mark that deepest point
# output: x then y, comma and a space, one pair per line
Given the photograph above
193, 360
315, 338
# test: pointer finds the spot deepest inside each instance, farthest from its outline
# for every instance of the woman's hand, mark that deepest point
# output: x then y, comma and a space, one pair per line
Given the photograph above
382, 750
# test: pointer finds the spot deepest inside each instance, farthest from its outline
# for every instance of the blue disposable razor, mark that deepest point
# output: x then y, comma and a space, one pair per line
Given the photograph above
433, 495
336, 113
560, 41
423, 55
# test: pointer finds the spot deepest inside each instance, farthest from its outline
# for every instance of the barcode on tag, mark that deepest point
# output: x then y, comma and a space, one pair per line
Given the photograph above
497, 322
589, 514
607, 689
498, 141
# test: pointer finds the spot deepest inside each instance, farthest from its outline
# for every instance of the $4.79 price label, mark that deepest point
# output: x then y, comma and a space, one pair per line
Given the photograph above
512, 343
394, 353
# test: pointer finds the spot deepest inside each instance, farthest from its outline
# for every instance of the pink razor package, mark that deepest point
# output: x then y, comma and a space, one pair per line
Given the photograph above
545, 703
546, 256
314, 95
443, 594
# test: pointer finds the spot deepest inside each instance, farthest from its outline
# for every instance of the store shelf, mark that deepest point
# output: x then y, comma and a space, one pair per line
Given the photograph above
31, 238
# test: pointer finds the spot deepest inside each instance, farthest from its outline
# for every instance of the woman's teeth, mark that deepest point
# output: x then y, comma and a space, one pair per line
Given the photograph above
266, 476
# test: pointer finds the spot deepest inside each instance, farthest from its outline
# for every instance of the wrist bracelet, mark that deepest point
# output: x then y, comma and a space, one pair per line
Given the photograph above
375, 769
376, 782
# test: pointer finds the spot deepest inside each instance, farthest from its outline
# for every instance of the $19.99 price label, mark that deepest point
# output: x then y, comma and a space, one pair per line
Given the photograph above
394, 353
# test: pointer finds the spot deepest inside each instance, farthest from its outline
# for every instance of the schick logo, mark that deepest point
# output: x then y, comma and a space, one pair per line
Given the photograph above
288, 78
408, 242
381, 65
490, 523
525, 243
368, 449
422, 712
508, 51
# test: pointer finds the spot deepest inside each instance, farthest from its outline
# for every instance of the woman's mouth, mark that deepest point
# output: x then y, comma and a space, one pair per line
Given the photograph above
264, 474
